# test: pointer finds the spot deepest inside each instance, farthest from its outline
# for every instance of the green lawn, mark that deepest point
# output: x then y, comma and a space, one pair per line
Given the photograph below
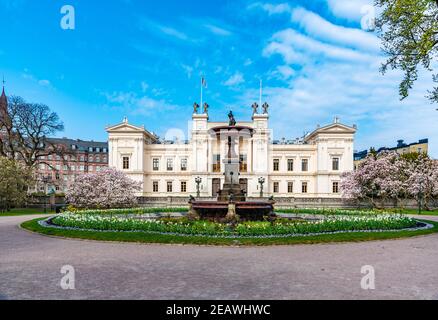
23, 212
141, 237
415, 211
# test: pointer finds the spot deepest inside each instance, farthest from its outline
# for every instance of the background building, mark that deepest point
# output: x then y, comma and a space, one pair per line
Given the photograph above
55, 173
310, 167
422, 146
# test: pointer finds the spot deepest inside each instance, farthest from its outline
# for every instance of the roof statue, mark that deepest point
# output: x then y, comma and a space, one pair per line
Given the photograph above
232, 120
265, 108
255, 108
195, 108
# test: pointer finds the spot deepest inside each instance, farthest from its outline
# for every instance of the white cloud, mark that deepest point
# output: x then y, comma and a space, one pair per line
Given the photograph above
235, 80
173, 32
188, 70
317, 27
138, 105
44, 83
338, 75
298, 48
272, 9
144, 86
349, 9
217, 30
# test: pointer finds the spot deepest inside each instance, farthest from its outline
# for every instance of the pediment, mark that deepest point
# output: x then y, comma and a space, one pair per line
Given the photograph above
334, 128
125, 127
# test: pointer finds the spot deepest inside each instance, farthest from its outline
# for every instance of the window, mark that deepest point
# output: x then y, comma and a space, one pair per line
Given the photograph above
125, 163
65, 167
90, 158
276, 187
304, 187
90, 149
290, 165
97, 159
169, 186
183, 186
104, 159
305, 165
335, 164
290, 187
73, 168
57, 176
156, 164
184, 164
97, 149
82, 168
155, 186
335, 187
243, 163
276, 164
169, 164
217, 163
58, 167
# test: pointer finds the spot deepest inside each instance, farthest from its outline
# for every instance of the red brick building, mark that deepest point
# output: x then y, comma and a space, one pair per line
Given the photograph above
56, 173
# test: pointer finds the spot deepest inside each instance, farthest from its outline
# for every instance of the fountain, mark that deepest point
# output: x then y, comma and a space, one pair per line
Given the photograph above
231, 204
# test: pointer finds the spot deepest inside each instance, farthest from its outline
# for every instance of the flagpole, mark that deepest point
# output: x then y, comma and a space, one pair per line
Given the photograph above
202, 84
261, 91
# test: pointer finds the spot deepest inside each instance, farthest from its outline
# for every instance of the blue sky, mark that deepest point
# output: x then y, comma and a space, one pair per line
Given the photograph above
144, 59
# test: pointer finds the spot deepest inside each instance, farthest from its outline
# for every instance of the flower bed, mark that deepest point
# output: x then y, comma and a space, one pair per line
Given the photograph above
281, 227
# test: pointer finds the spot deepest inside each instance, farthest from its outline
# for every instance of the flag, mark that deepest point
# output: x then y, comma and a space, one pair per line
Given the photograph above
204, 82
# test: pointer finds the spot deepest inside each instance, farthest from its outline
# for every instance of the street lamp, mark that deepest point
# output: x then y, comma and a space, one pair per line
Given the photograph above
46, 180
420, 197
198, 181
261, 182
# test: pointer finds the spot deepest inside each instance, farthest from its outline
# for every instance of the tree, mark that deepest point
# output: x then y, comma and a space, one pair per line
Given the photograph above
105, 189
390, 176
423, 180
409, 33
14, 181
26, 130
380, 177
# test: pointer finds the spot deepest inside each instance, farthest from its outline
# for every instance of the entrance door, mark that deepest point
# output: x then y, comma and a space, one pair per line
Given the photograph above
216, 187
244, 185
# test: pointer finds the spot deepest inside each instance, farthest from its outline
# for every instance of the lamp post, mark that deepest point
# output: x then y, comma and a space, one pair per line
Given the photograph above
261, 182
46, 180
198, 181
420, 197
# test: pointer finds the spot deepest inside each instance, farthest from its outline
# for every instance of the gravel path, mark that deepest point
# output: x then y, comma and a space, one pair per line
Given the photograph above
30, 268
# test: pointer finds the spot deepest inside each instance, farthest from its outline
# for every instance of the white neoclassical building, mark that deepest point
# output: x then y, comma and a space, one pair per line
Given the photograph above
306, 168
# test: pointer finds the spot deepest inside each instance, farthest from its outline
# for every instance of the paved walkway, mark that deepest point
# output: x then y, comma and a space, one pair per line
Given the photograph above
30, 268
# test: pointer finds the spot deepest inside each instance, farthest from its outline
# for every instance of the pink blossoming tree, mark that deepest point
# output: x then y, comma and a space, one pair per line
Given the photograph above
389, 176
105, 189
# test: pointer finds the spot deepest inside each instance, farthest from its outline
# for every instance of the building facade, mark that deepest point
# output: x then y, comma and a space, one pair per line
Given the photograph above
309, 168
422, 146
55, 173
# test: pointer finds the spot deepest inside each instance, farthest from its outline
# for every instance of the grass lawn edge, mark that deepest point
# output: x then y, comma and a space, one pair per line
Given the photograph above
147, 238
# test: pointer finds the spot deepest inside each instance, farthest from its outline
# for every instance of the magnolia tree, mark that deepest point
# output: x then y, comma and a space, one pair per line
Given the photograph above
106, 189
389, 176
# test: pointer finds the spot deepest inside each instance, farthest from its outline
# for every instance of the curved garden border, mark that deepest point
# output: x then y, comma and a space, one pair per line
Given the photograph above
46, 223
